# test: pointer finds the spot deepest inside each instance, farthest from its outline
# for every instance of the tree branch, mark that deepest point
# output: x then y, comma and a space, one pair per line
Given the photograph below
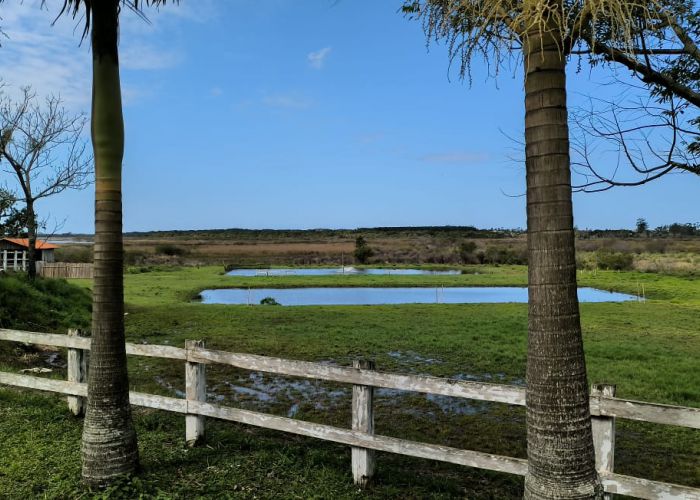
648, 74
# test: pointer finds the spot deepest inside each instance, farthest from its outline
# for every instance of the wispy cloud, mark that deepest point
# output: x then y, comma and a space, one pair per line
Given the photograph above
148, 57
52, 59
287, 101
318, 58
456, 158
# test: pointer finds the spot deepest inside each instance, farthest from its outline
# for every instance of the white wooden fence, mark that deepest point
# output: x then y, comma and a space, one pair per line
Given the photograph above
604, 408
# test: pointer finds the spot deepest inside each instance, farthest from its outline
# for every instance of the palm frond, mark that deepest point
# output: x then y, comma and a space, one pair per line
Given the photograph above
493, 28
74, 7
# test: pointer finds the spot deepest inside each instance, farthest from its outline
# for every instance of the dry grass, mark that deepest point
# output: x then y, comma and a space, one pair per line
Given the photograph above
668, 255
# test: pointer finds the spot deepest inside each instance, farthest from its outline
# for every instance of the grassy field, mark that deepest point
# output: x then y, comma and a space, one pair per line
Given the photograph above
650, 349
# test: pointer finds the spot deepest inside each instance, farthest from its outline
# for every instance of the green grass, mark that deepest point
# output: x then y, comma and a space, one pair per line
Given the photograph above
49, 304
651, 350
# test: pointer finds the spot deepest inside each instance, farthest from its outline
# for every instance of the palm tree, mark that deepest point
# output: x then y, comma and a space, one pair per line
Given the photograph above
109, 445
561, 463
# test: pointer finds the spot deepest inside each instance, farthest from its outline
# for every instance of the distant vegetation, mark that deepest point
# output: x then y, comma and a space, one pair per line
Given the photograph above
269, 301
362, 251
673, 248
170, 250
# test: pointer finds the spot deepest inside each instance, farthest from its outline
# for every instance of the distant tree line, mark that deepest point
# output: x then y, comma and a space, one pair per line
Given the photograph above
674, 230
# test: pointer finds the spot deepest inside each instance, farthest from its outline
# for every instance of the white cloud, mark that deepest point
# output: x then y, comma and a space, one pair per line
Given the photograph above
317, 59
52, 59
456, 158
46, 57
287, 101
147, 58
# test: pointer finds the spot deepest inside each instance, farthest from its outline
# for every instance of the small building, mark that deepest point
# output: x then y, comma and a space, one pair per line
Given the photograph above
13, 253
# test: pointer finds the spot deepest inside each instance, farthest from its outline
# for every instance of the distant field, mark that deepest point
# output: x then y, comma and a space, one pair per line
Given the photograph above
403, 246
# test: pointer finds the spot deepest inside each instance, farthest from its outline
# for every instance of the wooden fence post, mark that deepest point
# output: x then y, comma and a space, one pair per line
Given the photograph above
604, 434
363, 420
195, 390
77, 372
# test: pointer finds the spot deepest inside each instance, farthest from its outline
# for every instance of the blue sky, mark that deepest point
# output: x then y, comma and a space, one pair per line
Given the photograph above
306, 114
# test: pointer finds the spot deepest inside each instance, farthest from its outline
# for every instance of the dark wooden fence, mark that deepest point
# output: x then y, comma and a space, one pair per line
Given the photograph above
66, 270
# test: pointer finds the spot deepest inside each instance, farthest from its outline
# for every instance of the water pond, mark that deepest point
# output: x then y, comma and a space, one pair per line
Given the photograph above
380, 296
334, 271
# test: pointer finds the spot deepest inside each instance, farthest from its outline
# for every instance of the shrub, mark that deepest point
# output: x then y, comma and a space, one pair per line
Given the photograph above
81, 253
494, 255
170, 250
269, 301
362, 251
614, 261
466, 252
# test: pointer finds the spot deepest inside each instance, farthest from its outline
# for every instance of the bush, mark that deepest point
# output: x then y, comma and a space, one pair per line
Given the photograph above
170, 250
134, 257
362, 251
466, 252
614, 261
269, 301
494, 255
81, 253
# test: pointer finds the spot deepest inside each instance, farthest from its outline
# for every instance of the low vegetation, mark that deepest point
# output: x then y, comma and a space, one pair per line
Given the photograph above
669, 249
46, 304
650, 349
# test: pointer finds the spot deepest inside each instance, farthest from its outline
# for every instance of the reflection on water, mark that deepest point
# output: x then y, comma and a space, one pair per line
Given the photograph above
328, 271
380, 296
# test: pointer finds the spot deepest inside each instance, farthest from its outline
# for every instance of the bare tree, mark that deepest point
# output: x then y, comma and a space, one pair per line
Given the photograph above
42, 147
630, 141
653, 125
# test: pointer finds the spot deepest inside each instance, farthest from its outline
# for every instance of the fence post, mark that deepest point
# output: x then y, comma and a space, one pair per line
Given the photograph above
77, 372
195, 390
604, 434
363, 420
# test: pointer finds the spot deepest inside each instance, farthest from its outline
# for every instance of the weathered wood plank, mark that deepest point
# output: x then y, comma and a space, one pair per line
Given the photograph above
419, 383
156, 351
600, 405
646, 412
68, 270
57, 340
76, 372
43, 384
603, 429
158, 402
51, 339
195, 390
363, 440
363, 420
644, 488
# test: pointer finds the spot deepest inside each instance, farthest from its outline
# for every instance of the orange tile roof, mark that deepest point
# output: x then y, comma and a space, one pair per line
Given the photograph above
24, 242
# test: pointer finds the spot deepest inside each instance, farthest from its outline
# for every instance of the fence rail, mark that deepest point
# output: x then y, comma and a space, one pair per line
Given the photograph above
604, 408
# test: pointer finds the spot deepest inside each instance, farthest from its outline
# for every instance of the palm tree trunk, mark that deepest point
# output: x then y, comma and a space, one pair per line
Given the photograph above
109, 440
561, 463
